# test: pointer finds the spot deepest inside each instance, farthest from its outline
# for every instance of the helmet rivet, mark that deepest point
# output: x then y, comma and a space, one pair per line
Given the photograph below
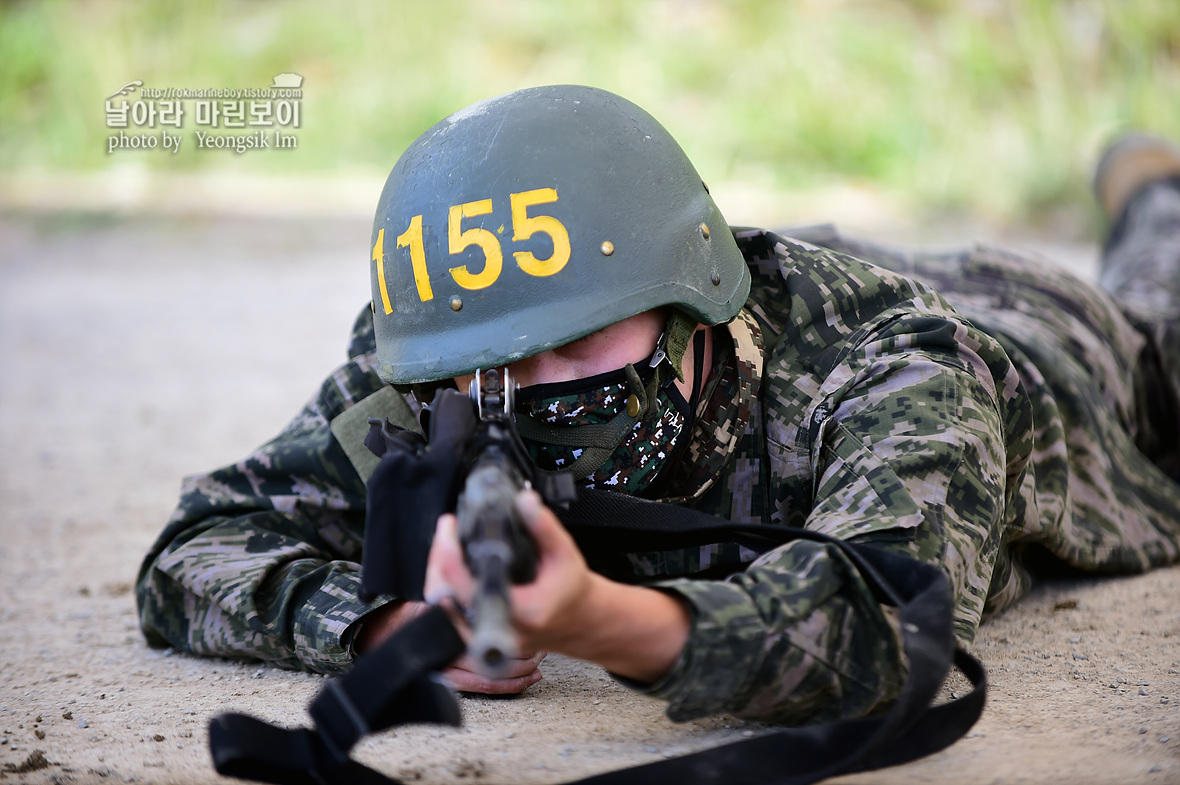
715, 278
607, 248
372, 306
632, 405
704, 231
456, 304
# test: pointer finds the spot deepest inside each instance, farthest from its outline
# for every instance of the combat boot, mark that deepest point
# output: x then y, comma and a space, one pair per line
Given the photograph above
1129, 165
1137, 185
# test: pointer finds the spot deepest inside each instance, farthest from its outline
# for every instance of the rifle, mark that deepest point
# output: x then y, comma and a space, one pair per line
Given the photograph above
474, 465
496, 546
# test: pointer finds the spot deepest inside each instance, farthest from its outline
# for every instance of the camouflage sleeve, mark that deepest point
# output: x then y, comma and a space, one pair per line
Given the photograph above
260, 558
906, 444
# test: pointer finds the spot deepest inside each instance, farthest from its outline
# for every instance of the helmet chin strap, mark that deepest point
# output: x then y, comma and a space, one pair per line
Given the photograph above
597, 442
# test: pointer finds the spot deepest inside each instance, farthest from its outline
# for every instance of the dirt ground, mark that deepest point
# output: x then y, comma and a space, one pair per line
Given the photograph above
136, 350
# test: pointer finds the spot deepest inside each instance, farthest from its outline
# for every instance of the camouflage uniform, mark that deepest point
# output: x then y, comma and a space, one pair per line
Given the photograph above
969, 428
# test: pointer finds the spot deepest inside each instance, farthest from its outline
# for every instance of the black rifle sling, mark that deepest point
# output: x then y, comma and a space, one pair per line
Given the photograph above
911, 729
392, 684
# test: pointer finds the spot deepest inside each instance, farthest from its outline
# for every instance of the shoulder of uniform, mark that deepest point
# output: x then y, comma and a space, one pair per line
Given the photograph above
351, 395
790, 268
774, 255
363, 339
355, 394
351, 425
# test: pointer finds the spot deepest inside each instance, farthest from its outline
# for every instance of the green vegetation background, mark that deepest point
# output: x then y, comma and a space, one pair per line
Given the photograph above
993, 107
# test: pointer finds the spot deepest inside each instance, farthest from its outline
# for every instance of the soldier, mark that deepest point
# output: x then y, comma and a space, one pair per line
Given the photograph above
976, 410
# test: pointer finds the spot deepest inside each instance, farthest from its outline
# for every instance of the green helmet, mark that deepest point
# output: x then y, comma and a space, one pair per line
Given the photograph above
527, 221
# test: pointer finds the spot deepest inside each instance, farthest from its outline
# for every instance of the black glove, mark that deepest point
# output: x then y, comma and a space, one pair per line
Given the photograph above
415, 482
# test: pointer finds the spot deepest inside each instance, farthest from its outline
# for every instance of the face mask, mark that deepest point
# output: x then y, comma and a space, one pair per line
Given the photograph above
616, 431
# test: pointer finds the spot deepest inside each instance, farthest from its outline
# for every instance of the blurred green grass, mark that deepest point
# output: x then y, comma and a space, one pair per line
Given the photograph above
995, 108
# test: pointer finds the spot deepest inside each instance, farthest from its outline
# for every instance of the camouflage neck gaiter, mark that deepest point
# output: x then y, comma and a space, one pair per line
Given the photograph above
639, 453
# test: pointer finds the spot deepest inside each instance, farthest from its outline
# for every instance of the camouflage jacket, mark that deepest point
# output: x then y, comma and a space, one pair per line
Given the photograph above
847, 398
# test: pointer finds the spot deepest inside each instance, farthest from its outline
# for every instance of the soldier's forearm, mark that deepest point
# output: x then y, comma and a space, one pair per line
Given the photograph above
797, 638
632, 631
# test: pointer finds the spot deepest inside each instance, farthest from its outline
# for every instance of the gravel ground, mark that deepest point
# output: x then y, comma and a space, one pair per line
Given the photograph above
134, 350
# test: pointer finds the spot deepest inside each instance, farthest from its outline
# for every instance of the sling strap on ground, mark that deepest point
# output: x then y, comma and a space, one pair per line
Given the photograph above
392, 685
796, 756
395, 684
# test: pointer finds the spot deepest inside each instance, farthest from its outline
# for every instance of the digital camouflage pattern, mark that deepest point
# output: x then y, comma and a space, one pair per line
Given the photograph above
641, 454
967, 428
977, 443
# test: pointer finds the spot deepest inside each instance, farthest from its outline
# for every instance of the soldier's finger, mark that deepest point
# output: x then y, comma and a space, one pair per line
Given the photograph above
541, 522
446, 574
514, 666
467, 681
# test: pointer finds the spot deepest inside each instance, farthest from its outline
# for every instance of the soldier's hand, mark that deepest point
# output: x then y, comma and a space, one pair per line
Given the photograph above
521, 673
544, 612
461, 675
634, 631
